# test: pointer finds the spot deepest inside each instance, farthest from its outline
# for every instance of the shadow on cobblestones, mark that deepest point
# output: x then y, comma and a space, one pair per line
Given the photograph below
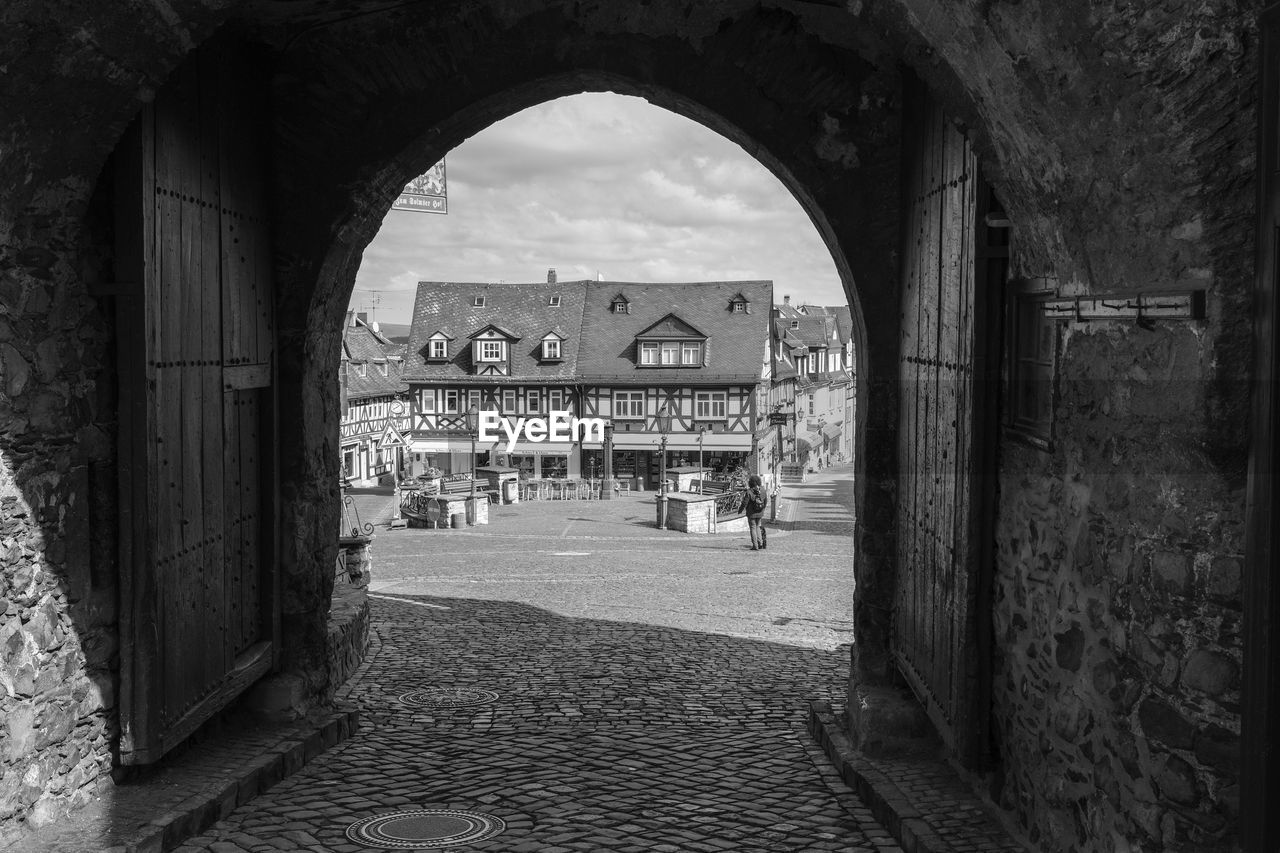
606, 735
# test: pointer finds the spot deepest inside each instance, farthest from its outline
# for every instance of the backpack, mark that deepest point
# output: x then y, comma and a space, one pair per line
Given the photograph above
757, 500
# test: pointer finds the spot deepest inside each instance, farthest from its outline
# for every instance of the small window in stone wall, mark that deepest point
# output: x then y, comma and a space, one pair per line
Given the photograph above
1030, 363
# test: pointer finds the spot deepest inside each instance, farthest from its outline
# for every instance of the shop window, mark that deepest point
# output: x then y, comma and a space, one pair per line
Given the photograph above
1031, 363
555, 465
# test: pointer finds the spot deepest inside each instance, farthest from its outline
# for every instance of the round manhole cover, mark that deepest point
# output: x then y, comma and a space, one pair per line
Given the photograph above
424, 829
449, 697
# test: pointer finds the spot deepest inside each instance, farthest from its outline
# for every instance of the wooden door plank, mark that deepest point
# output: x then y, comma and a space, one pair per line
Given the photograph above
1260, 714
218, 657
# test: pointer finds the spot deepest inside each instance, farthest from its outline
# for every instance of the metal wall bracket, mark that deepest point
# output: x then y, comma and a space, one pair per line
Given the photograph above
1164, 305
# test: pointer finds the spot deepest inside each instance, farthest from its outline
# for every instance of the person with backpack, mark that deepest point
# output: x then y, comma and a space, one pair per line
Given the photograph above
757, 503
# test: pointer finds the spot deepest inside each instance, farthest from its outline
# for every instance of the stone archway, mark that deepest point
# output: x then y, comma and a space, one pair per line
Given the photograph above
1121, 144
835, 148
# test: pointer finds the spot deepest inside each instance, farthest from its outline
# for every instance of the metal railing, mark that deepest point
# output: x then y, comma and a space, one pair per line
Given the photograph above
351, 523
731, 505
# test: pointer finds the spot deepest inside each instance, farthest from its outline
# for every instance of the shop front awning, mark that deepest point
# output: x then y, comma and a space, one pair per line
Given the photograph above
712, 443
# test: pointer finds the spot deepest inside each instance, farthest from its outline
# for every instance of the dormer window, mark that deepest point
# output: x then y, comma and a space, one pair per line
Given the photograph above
477, 302
671, 342
795, 324
552, 347
620, 305
554, 302
491, 351
739, 307
437, 348
739, 304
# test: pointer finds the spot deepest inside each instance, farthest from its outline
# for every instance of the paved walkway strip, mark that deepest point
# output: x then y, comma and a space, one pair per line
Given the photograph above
605, 736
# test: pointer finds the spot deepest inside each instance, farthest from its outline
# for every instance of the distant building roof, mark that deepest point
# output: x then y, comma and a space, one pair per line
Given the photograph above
736, 342
524, 311
373, 366
599, 343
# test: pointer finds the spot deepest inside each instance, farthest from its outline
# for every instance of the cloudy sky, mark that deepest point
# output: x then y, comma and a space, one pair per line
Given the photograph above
600, 184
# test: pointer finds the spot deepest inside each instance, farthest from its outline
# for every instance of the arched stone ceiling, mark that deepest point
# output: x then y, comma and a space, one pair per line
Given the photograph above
1120, 134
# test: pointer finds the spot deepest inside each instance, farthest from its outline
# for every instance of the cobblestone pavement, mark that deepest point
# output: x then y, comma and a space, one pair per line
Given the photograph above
652, 692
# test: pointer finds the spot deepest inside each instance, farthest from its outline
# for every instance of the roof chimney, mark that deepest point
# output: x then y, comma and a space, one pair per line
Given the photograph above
786, 300
551, 276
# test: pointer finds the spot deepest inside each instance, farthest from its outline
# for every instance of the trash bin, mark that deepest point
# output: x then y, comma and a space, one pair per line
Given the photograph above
510, 491
458, 520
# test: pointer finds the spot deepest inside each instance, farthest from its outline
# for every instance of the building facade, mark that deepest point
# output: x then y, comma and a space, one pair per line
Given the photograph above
813, 382
619, 352
375, 409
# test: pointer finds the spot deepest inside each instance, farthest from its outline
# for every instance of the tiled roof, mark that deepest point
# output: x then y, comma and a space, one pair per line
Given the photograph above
599, 343
367, 350
737, 342
522, 310
844, 321
810, 331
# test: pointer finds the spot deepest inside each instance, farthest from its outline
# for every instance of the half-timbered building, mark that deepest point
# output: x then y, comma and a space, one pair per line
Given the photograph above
507, 348
609, 350
699, 349
375, 409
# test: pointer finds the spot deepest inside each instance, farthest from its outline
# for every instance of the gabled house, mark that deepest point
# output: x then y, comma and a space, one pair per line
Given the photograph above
505, 348
814, 368
617, 351
374, 396
700, 350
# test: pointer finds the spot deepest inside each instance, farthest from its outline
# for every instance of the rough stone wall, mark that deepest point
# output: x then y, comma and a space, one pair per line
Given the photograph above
349, 611
57, 520
1117, 611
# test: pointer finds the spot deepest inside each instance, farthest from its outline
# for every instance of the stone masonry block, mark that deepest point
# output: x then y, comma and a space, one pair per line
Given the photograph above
1211, 672
1171, 572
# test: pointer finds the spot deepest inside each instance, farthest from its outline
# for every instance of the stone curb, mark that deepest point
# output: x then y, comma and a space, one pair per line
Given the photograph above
886, 800
215, 802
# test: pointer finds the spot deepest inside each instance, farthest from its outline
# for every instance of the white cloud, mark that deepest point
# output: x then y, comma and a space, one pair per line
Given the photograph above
600, 182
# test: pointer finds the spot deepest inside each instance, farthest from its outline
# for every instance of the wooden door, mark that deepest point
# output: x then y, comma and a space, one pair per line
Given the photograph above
1260, 714
936, 639
199, 619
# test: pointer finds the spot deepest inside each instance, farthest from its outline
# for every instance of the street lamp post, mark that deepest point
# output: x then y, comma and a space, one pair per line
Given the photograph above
663, 422
606, 479
702, 474
473, 424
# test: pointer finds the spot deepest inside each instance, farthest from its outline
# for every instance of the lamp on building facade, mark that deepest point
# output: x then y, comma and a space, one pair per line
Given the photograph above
702, 474
606, 479
662, 422
473, 426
